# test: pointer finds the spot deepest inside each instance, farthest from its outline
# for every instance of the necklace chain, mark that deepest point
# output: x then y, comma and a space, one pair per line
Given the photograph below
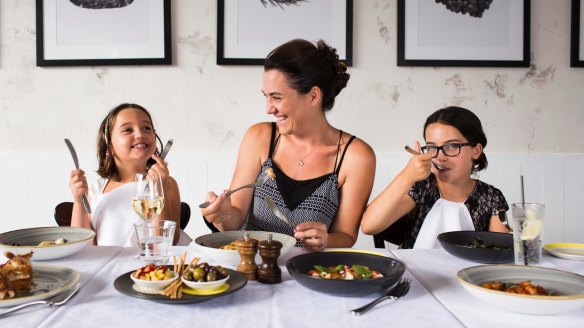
300, 161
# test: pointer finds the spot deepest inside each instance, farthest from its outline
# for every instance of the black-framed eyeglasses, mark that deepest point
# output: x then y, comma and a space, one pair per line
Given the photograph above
450, 150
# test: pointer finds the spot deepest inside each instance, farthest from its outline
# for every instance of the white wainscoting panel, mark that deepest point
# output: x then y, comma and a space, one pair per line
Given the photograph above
33, 183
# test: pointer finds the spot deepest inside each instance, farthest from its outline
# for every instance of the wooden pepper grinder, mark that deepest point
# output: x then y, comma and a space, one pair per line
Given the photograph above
247, 248
269, 272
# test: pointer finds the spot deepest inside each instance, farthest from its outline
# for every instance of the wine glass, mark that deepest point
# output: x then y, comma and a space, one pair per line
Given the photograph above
148, 198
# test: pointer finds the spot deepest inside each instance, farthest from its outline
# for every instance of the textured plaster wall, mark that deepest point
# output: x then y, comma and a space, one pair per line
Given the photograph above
207, 108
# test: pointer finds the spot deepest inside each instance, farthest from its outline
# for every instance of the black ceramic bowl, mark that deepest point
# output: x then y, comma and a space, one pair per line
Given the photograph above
391, 269
456, 243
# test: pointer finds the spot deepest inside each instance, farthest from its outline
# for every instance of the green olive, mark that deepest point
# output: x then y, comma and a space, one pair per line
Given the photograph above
198, 274
188, 275
211, 276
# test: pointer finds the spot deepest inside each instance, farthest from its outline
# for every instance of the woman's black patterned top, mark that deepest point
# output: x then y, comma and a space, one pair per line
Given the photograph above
483, 202
314, 200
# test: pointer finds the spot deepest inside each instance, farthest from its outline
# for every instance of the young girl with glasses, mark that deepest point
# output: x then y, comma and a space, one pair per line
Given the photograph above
435, 192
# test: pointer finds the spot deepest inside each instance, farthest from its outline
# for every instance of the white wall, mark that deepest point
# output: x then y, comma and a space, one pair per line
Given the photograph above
529, 113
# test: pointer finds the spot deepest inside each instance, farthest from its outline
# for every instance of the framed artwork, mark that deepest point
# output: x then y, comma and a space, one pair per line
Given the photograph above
106, 32
432, 33
577, 35
247, 30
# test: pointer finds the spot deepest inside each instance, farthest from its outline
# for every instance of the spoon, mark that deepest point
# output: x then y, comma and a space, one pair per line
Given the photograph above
413, 152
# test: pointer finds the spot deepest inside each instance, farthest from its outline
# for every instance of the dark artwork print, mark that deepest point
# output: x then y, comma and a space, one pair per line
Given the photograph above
475, 8
101, 4
282, 3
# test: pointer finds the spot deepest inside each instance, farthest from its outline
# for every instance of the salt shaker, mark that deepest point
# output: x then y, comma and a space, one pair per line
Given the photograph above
247, 248
269, 272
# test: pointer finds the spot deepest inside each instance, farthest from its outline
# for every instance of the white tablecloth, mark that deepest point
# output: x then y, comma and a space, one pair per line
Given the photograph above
435, 300
256, 305
436, 270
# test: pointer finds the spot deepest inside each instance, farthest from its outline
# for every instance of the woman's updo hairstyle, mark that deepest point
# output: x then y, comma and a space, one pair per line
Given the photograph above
469, 126
307, 65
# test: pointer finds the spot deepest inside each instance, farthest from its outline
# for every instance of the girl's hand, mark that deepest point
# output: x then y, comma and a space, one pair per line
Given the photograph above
313, 235
419, 167
78, 185
219, 208
160, 168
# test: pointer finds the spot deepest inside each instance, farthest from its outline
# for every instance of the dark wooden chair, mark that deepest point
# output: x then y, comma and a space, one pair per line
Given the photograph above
63, 214
395, 234
210, 225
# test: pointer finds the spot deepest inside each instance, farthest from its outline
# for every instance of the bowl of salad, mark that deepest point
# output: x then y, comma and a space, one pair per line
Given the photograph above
479, 246
345, 273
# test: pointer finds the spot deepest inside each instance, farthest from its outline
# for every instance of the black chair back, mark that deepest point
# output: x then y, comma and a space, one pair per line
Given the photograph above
63, 214
394, 234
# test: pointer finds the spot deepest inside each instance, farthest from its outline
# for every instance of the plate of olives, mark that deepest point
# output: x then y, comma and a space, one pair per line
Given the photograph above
234, 281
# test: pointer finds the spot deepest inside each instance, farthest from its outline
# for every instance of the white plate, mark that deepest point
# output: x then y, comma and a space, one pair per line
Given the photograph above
77, 239
569, 286
570, 251
49, 281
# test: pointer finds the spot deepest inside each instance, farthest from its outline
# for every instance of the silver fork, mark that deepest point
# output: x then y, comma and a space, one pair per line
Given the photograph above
401, 289
256, 184
58, 300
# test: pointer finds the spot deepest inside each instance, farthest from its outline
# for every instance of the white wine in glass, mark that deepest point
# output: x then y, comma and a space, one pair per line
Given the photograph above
148, 199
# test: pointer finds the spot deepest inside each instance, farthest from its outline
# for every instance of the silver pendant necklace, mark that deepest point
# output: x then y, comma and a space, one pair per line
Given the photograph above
300, 162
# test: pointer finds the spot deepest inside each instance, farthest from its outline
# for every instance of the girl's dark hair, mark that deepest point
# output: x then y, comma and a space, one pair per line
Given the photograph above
107, 166
468, 124
307, 65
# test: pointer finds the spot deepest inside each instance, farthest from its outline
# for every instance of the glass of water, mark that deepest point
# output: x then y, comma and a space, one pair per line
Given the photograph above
154, 240
527, 223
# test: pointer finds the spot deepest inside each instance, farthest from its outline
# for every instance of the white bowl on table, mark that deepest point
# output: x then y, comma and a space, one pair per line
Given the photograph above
152, 286
29, 239
568, 286
208, 245
205, 285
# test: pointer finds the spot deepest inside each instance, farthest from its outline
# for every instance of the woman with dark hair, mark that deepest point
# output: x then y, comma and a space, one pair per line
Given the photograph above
322, 176
435, 192
126, 141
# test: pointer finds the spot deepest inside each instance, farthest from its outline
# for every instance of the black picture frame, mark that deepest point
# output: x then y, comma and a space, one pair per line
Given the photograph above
157, 50
521, 52
256, 56
577, 38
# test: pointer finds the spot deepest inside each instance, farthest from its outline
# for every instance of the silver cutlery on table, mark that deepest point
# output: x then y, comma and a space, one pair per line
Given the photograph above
76, 161
58, 300
400, 289
277, 212
256, 184
413, 152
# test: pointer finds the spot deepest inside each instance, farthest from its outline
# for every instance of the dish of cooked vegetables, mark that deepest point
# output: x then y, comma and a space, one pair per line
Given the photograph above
479, 243
344, 272
524, 288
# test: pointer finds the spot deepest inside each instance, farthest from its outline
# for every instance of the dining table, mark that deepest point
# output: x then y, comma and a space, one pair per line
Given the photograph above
435, 299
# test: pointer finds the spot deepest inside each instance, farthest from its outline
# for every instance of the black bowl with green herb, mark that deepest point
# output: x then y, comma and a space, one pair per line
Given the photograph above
479, 246
391, 269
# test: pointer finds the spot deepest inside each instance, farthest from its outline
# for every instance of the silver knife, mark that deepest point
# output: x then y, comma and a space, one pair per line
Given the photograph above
76, 161
277, 212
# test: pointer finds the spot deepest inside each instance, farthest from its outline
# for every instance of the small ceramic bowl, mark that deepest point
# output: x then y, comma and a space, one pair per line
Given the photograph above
152, 287
208, 285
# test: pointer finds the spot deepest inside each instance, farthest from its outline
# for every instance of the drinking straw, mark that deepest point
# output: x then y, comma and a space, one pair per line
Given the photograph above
524, 242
